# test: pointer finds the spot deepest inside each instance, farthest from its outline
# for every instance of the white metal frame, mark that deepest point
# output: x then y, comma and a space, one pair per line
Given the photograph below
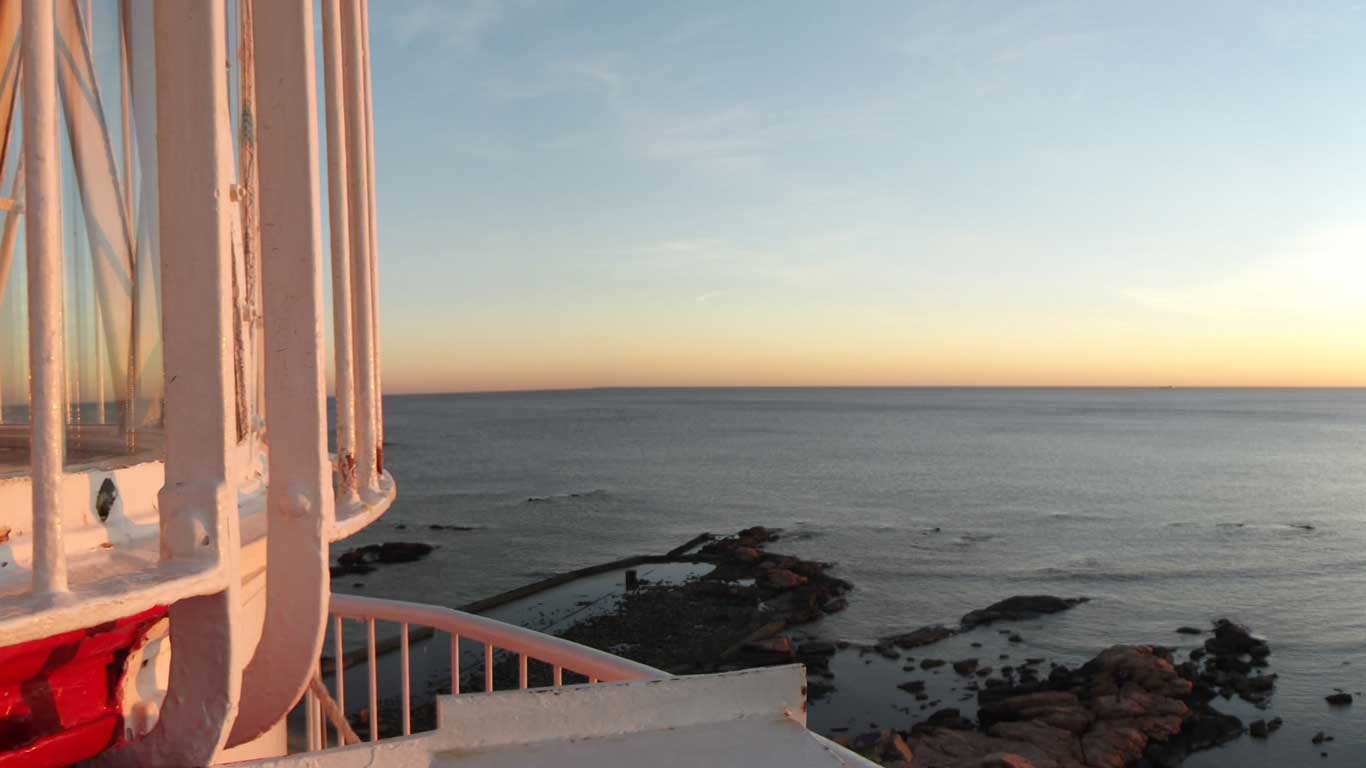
223, 691
496, 638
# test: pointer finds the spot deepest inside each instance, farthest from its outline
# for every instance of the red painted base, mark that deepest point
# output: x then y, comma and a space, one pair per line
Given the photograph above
59, 696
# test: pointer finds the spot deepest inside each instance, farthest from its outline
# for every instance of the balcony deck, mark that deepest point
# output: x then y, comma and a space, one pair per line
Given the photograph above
753, 718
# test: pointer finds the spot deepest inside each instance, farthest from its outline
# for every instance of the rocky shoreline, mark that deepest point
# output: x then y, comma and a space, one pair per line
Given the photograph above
1128, 706
1145, 706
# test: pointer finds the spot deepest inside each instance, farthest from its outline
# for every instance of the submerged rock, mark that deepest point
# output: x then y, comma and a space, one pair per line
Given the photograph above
362, 560
923, 636
1019, 608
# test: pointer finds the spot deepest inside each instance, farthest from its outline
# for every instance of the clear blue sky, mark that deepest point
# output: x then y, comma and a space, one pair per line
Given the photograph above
621, 193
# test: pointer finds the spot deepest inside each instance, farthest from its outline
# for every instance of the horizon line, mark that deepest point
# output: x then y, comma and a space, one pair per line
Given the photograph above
662, 387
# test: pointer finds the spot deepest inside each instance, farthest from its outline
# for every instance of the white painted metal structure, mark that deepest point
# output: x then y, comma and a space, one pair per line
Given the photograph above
199, 286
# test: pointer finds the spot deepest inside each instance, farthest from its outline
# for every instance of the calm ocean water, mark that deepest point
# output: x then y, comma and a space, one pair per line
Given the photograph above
1166, 507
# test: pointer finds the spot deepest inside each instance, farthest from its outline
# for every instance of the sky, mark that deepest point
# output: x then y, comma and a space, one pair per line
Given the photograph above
789, 193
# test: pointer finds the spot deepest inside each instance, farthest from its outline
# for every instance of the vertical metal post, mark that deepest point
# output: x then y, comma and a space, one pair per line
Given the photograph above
8, 237
455, 665
374, 680
339, 669
198, 503
339, 224
299, 499
362, 289
43, 241
129, 422
407, 681
374, 235
488, 667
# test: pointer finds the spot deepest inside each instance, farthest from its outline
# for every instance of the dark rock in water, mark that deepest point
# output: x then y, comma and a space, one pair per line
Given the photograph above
1338, 699
1231, 638
923, 636
949, 718
1209, 730
931, 663
1319, 737
965, 666
835, 606
1258, 729
362, 560
1019, 608
1015, 637
816, 648
817, 690
1190, 631
1274, 724
913, 686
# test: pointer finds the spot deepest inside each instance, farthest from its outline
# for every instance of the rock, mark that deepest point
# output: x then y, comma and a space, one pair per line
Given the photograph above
1112, 746
781, 646
835, 606
913, 686
923, 636
1338, 699
747, 554
1258, 729
1015, 637
1018, 608
948, 717
362, 560
1210, 729
1189, 631
1232, 639
902, 748
1319, 738
1003, 760
1274, 724
965, 667
781, 578
816, 648
931, 663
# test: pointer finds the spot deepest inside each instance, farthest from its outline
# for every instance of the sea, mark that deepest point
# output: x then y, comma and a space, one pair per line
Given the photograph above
1165, 507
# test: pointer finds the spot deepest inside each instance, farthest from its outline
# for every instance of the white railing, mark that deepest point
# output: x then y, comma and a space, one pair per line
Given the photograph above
496, 638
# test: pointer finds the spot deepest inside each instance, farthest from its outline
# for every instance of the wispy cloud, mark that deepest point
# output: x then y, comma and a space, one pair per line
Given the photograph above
460, 25
724, 140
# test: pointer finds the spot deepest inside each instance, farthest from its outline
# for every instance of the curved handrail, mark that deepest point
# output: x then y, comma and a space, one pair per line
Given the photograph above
587, 661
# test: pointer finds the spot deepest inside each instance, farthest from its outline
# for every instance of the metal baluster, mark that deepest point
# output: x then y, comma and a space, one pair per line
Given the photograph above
374, 686
559, 675
521, 670
455, 665
339, 671
407, 687
488, 667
